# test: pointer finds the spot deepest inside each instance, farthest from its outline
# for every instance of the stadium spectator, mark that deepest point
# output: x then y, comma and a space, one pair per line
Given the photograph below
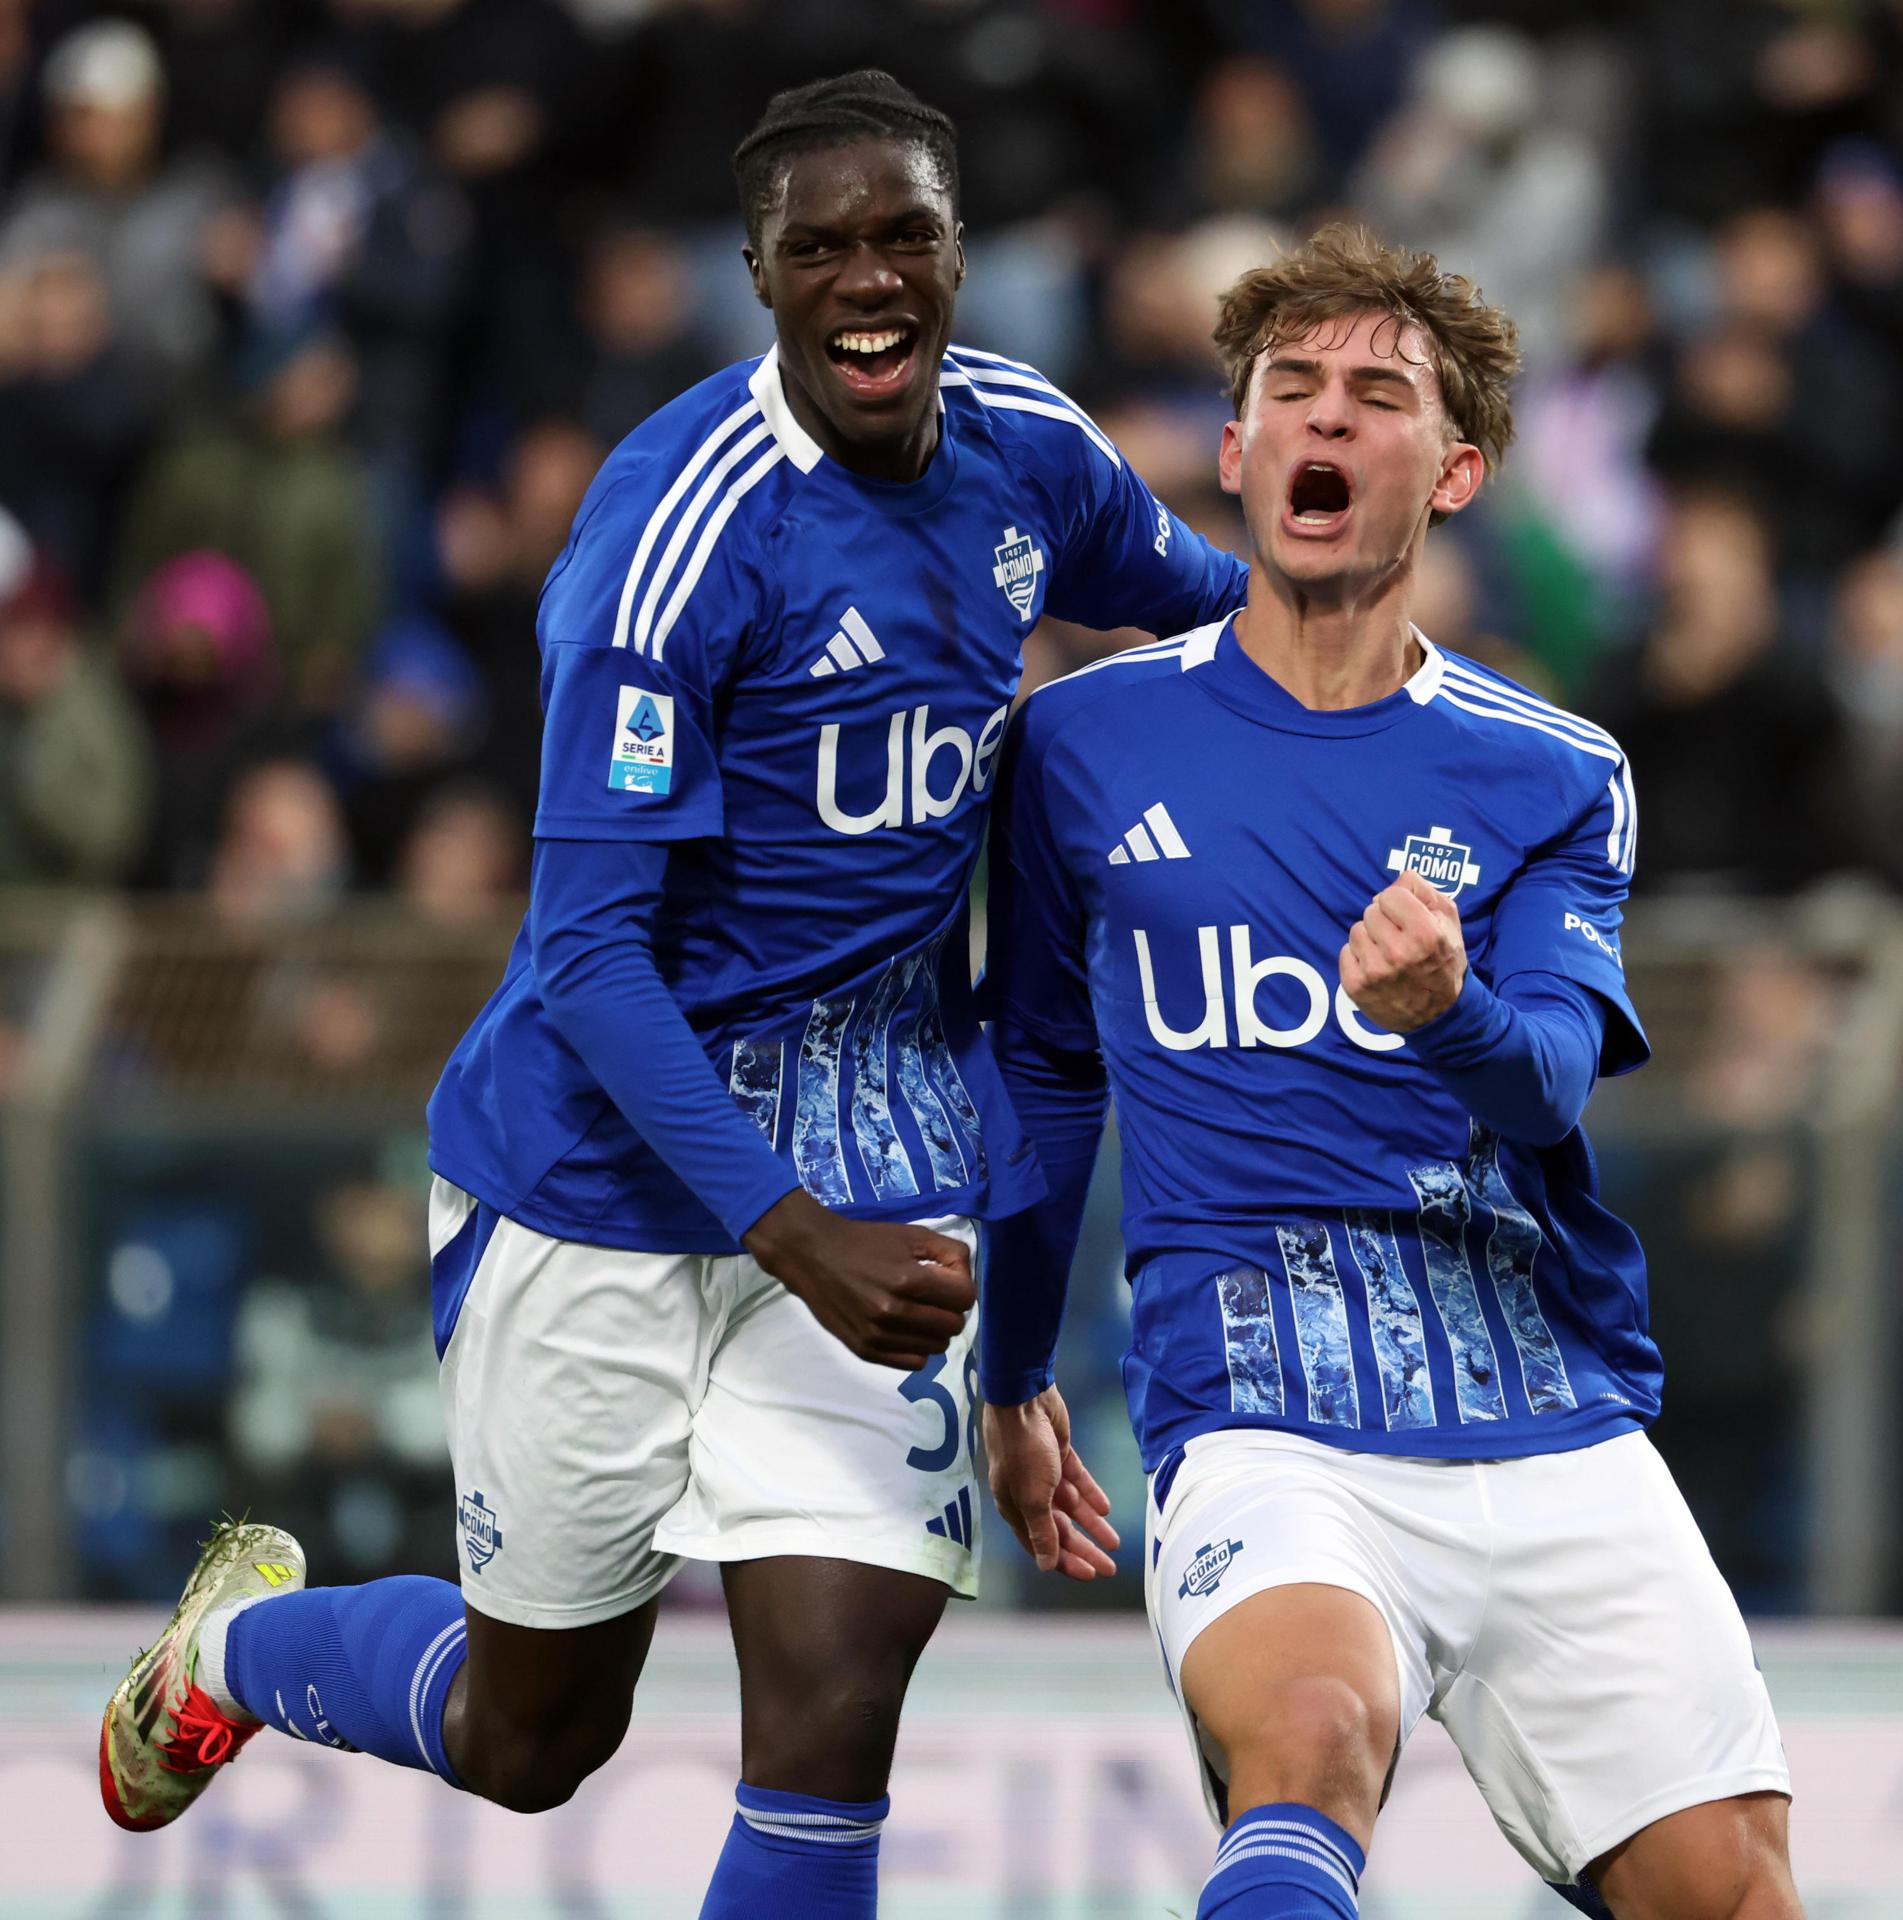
110, 193
1865, 666
419, 711
639, 346
335, 1411
466, 861
1735, 743
1478, 171
361, 234
198, 654
75, 771
76, 413
283, 856
273, 483
496, 549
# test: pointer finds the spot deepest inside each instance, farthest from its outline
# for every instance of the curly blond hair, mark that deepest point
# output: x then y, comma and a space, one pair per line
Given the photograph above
1344, 271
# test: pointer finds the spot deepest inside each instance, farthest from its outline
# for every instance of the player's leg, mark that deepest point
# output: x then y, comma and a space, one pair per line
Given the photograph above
1296, 1646
1725, 1860
569, 1376
1610, 1709
1296, 1689
826, 1650
841, 1499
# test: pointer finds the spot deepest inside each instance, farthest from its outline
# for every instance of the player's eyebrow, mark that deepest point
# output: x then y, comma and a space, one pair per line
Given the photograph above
820, 230
1358, 376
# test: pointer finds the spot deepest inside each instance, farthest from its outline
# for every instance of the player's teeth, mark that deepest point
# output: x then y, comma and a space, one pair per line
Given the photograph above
867, 342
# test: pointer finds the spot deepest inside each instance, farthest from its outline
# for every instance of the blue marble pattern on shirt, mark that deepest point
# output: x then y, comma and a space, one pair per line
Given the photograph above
1512, 1249
1395, 1324
941, 1070
1321, 1324
928, 1112
1446, 1208
1248, 1337
888, 1165
818, 1152
754, 1082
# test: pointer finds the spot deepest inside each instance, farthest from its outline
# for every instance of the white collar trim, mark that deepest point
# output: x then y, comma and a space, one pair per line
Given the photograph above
767, 388
1425, 682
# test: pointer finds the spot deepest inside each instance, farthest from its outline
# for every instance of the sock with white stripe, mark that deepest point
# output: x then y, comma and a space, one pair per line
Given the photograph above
1283, 1862
791, 1857
363, 1668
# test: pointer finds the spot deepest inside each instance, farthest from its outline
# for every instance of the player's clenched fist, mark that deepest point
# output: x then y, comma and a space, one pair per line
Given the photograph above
892, 1294
1405, 958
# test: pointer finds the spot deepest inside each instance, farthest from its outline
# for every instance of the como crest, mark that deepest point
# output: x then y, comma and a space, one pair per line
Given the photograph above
481, 1536
1206, 1570
1020, 561
1438, 858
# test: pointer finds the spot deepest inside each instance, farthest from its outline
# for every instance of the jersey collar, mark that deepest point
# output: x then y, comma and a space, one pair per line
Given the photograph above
890, 496
764, 384
1239, 683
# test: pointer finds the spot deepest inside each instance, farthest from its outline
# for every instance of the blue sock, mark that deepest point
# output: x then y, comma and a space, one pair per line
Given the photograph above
791, 1857
1283, 1862
364, 1668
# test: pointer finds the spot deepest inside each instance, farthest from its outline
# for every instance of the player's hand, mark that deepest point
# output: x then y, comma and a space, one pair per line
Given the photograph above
1405, 958
892, 1294
1045, 1493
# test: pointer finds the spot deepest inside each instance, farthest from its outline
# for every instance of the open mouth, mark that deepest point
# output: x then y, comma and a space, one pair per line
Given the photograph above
873, 360
1319, 497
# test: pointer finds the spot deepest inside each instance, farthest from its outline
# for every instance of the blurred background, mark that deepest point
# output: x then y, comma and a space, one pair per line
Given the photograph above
316, 318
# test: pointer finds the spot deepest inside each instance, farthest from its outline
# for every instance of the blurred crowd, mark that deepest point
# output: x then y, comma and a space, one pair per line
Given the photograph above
317, 316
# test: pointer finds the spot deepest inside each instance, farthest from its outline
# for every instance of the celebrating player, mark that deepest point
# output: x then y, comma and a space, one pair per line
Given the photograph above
708, 1163
1389, 1366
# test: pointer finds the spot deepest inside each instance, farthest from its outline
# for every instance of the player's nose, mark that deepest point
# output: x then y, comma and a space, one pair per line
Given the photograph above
867, 277
1329, 414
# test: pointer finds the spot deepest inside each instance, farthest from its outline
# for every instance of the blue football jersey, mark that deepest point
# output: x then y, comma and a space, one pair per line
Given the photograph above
799, 677
1319, 1237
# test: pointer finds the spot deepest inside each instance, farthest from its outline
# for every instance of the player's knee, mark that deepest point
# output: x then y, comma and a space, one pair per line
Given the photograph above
1313, 1734
833, 1739
531, 1769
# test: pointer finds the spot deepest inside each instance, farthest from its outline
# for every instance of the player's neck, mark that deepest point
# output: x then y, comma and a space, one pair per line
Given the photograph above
1328, 653
902, 461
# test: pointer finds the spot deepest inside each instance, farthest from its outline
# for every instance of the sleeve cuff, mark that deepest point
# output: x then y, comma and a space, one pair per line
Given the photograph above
1013, 1389
1465, 1031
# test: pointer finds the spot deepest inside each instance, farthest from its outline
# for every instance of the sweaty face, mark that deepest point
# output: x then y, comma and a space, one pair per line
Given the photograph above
1341, 452
860, 262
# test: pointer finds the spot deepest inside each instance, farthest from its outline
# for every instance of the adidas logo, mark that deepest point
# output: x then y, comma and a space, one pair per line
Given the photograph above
954, 1524
1138, 844
852, 646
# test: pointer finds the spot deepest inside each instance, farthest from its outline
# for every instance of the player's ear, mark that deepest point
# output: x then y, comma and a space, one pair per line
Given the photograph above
958, 255
757, 273
1461, 472
1229, 460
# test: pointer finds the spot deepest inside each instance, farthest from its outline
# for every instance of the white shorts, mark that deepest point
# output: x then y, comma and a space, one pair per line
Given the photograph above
610, 1413
1559, 1615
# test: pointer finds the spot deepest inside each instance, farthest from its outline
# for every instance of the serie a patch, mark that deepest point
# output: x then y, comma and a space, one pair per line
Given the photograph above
644, 742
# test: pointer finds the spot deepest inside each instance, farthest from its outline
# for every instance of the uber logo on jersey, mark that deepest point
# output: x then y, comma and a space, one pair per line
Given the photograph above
643, 759
910, 793
1242, 990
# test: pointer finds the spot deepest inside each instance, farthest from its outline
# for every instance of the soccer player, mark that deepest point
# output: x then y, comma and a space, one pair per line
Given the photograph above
708, 1164
1335, 916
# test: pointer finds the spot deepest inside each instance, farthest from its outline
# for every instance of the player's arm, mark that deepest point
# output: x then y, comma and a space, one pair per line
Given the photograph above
894, 1295
1126, 560
629, 773
1045, 1040
1521, 1056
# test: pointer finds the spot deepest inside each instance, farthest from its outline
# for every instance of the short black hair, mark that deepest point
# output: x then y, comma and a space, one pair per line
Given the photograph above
867, 105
